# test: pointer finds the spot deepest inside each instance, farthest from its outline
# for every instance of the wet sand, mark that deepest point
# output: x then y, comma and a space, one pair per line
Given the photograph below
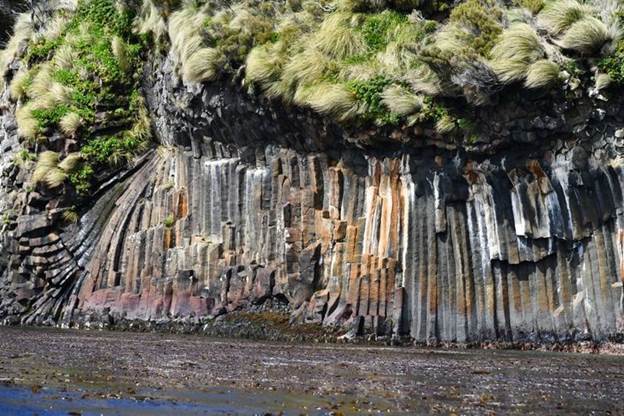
52, 371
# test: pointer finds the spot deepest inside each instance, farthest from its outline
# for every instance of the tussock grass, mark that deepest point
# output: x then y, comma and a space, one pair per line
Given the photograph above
541, 74
425, 81
120, 51
617, 162
397, 59
361, 72
185, 32
333, 100
603, 81
47, 170
401, 101
57, 94
518, 47
70, 123
264, 65
19, 84
52, 171
41, 83
64, 57
586, 35
445, 124
352, 60
71, 216
142, 128
70, 163
60, 93
306, 68
22, 32
559, 16
80, 66
534, 6
27, 125
337, 37
201, 66
449, 41
150, 21
55, 27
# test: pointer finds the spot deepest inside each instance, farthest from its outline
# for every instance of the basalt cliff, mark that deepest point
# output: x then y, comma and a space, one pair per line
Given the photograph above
460, 202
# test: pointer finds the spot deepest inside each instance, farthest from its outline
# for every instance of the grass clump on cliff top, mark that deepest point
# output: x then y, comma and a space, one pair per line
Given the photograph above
558, 16
80, 80
350, 59
359, 62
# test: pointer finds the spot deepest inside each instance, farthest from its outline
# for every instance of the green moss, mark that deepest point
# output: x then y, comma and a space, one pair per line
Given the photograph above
103, 90
42, 50
105, 14
169, 221
82, 178
50, 117
482, 19
614, 64
433, 111
110, 149
378, 29
369, 93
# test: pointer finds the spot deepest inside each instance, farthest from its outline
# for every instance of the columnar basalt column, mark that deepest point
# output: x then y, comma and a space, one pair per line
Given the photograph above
248, 205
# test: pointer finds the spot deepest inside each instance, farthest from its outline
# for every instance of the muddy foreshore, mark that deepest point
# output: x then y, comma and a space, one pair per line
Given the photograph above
110, 368
277, 326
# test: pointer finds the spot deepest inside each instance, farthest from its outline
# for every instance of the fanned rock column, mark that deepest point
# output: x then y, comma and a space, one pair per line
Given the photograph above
252, 204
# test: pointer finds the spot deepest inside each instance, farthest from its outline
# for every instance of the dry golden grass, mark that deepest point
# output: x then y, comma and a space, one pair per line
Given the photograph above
337, 37
17, 89
27, 125
70, 123
517, 48
586, 35
401, 101
541, 74
558, 16
333, 100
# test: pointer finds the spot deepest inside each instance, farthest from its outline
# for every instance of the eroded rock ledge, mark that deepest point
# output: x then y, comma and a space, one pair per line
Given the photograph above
250, 206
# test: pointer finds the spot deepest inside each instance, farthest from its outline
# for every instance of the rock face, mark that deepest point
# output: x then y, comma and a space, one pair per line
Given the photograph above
247, 204
8, 10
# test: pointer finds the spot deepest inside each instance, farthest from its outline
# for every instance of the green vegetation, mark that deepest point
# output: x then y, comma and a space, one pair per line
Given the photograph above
53, 172
81, 79
71, 215
481, 21
169, 221
534, 6
361, 63
519, 47
370, 92
378, 30
613, 65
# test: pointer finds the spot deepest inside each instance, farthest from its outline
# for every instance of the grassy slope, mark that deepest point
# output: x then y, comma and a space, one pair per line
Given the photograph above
392, 63
79, 79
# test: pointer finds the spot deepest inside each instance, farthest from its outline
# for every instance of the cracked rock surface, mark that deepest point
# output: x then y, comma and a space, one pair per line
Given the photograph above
248, 205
